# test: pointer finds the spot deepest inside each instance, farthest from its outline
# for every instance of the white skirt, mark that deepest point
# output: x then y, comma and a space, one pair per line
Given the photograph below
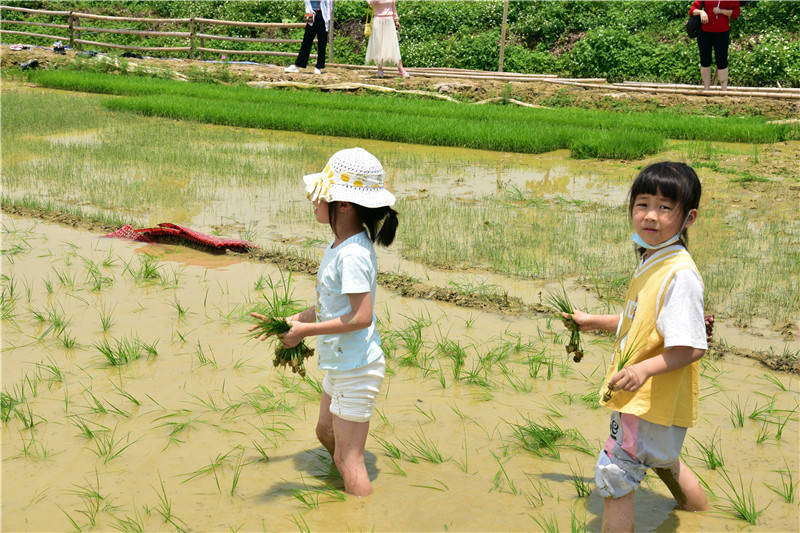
383, 47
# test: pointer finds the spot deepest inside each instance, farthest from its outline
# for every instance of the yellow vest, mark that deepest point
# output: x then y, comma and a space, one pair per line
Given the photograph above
668, 399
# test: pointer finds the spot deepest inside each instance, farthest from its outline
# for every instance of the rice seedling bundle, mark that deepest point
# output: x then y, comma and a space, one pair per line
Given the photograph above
293, 357
561, 304
624, 357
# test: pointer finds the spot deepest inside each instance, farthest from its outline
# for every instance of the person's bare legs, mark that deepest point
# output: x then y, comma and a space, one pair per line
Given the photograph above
351, 439
380, 70
325, 424
401, 70
705, 74
618, 514
722, 73
685, 489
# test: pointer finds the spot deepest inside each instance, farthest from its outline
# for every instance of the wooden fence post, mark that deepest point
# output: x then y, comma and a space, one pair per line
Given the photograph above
71, 32
77, 22
503, 36
330, 41
191, 37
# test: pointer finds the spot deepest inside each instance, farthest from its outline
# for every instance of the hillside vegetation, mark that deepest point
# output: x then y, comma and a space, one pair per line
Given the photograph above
617, 40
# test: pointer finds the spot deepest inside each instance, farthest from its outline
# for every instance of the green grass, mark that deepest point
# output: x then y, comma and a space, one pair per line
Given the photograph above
588, 134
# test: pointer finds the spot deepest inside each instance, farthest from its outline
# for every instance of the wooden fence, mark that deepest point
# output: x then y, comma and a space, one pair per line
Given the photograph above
195, 36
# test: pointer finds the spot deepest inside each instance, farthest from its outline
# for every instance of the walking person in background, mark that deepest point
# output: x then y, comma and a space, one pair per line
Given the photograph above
383, 47
715, 33
318, 21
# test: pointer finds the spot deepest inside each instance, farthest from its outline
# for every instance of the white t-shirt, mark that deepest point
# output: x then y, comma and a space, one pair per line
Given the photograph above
350, 268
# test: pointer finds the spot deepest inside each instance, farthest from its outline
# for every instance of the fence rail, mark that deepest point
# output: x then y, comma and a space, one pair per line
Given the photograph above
196, 36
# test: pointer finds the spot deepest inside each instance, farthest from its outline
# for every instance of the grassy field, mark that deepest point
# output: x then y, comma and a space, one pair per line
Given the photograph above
588, 134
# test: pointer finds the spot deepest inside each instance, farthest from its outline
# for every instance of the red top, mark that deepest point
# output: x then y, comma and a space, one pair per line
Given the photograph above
717, 23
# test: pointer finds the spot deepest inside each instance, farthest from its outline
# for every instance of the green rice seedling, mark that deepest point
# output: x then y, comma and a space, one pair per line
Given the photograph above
130, 524
623, 358
65, 278
710, 453
501, 475
300, 523
179, 308
582, 488
741, 502
782, 423
204, 359
94, 277
211, 468
124, 351
84, 430
429, 414
106, 319
478, 375
736, 412
763, 433
126, 394
577, 525
293, 357
237, 471
108, 447
591, 399
539, 439
424, 448
164, 508
93, 501
560, 304
775, 381
395, 452
52, 372
547, 525
518, 384
7, 404
28, 418
788, 487
67, 340
149, 269
451, 350
264, 455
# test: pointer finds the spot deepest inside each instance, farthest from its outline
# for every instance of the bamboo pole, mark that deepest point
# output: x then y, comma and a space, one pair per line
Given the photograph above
503, 36
34, 23
248, 39
36, 11
143, 33
251, 24
31, 34
71, 31
139, 48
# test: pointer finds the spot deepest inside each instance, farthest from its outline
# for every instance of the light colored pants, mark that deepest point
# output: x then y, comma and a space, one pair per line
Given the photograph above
633, 446
353, 391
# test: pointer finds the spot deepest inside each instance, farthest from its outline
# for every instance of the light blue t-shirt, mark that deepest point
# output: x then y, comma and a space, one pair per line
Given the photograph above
350, 268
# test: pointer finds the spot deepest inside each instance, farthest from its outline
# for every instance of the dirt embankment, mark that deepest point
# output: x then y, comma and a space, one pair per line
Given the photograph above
466, 90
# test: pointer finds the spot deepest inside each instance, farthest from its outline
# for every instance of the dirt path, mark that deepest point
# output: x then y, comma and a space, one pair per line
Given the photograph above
467, 90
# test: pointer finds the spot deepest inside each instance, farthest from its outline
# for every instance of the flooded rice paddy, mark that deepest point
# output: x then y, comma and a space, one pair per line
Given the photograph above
197, 431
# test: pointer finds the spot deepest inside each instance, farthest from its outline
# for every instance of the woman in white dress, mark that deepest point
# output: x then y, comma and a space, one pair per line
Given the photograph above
383, 47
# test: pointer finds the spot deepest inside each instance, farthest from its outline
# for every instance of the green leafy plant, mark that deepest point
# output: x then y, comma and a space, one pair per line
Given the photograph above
561, 304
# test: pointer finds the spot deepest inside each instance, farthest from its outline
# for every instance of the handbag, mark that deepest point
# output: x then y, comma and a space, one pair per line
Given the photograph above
368, 24
693, 25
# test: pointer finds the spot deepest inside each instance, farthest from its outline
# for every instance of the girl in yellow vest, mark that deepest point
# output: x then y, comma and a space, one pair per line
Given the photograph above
652, 383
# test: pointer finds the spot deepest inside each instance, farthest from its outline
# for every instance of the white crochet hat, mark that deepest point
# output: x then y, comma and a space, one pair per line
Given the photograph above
352, 175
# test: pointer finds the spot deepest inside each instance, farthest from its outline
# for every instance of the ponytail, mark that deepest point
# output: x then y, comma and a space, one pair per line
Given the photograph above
380, 222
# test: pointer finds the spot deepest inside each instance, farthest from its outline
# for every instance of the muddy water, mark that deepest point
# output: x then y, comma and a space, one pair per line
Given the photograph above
210, 399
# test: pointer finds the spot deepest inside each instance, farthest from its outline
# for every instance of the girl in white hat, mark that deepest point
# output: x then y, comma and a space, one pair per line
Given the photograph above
349, 196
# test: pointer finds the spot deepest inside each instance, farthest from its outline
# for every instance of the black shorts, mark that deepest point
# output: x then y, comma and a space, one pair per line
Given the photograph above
720, 42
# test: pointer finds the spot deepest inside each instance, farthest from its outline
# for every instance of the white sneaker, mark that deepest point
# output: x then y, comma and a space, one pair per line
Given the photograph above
317, 71
291, 68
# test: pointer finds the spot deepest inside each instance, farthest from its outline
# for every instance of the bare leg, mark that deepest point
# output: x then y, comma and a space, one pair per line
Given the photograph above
723, 78
686, 489
380, 70
705, 74
402, 71
618, 514
325, 424
351, 439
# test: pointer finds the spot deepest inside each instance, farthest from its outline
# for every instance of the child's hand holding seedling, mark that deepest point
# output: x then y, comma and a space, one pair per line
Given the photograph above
292, 352
561, 304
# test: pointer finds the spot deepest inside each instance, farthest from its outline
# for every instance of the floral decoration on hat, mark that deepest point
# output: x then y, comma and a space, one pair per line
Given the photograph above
352, 175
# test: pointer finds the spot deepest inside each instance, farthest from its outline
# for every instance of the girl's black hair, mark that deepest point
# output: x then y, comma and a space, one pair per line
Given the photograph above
676, 181
380, 222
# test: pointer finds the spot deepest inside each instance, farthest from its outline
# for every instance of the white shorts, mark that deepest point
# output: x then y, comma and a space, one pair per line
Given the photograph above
634, 446
353, 391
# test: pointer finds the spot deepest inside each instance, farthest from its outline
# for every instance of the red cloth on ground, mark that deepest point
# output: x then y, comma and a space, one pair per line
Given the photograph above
179, 232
